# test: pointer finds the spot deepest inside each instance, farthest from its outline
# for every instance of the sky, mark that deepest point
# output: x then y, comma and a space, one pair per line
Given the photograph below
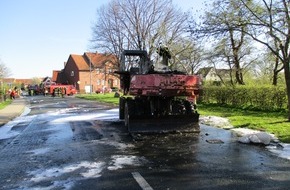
37, 36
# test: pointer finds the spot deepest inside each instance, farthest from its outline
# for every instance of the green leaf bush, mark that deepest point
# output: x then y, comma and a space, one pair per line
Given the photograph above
255, 97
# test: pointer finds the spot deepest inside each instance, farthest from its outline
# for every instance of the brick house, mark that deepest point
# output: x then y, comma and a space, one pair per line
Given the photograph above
96, 69
214, 75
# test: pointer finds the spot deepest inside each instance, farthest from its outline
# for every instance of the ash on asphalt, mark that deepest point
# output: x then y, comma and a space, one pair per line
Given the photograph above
69, 147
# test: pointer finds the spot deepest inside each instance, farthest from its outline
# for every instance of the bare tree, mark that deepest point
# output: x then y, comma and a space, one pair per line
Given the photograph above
186, 56
269, 22
138, 24
266, 21
4, 71
219, 25
35, 81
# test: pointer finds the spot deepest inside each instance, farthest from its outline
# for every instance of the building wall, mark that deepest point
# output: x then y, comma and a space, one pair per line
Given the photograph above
99, 81
212, 76
101, 75
71, 73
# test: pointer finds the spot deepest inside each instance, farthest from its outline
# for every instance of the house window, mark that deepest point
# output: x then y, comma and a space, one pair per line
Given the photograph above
110, 82
72, 73
103, 82
116, 82
98, 71
99, 82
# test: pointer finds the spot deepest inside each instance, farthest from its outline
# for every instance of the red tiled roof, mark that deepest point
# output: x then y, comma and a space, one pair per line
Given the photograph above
55, 74
18, 81
24, 81
9, 80
80, 62
97, 60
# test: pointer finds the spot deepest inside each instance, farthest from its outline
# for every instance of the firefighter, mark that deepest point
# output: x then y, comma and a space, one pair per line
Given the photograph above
63, 91
53, 92
12, 94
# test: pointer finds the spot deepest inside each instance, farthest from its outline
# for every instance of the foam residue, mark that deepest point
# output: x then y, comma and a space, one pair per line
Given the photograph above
119, 161
282, 150
6, 130
84, 169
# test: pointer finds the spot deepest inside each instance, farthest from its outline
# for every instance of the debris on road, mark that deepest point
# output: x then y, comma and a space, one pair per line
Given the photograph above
248, 136
215, 141
215, 121
257, 138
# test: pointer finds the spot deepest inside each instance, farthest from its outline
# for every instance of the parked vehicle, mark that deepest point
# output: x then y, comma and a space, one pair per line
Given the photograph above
34, 90
60, 89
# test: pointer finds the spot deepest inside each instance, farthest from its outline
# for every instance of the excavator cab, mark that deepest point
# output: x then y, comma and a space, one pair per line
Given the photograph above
136, 61
133, 62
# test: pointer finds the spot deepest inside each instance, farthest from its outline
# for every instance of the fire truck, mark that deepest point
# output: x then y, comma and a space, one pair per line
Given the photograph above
58, 89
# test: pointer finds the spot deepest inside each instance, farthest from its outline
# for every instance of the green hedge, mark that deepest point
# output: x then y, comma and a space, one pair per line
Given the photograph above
263, 97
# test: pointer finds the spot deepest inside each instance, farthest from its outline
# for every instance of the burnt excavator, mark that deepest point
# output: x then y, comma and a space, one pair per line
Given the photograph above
156, 99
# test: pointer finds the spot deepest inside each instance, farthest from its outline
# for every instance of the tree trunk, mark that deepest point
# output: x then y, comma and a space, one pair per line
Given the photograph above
275, 78
239, 76
287, 79
276, 72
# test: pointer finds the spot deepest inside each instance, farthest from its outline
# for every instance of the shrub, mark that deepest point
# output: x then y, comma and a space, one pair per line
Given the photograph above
261, 97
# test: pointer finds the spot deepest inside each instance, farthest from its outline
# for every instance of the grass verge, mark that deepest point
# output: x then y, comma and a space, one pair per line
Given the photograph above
271, 121
5, 103
107, 97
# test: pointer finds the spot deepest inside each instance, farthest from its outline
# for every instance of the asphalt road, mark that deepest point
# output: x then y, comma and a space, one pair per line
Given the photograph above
68, 143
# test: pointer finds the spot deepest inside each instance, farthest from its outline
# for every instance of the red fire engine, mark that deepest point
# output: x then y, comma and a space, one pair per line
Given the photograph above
61, 88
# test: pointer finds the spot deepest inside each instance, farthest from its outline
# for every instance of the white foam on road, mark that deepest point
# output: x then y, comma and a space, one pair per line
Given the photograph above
87, 170
282, 151
94, 170
119, 161
60, 128
61, 132
103, 115
119, 145
39, 151
6, 130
